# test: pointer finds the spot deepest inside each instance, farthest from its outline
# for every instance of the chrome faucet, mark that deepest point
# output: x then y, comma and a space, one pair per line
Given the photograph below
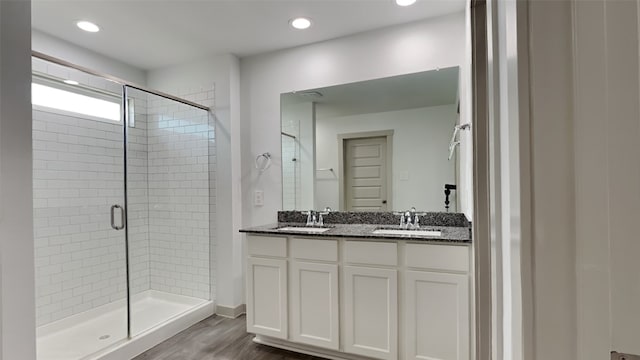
311, 217
409, 219
314, 218
326, 211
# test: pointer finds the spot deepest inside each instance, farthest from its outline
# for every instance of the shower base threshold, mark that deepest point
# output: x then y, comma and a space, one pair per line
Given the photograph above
101, 333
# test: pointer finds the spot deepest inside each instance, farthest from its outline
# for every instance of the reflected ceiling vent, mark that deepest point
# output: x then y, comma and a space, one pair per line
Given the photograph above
308, 94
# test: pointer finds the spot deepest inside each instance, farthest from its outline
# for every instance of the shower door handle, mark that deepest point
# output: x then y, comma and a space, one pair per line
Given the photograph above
113, 217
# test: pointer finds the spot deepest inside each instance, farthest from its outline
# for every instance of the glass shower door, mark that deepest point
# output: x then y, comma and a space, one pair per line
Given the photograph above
168, 196
78, 171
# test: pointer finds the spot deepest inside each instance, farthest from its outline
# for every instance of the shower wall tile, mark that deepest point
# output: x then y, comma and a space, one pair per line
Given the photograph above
290, 161
138, 197
78, 175
180, 195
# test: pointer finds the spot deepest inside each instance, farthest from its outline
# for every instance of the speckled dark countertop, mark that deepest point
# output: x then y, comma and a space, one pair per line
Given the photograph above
455, 228
450, 234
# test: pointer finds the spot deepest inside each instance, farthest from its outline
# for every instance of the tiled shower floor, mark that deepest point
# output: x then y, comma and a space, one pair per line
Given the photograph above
79, 336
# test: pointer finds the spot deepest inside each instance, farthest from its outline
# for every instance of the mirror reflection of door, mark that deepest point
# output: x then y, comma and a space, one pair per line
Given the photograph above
366, 174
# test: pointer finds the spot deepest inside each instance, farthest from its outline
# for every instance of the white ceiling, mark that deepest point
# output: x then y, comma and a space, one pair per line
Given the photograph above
411, 91
150, 34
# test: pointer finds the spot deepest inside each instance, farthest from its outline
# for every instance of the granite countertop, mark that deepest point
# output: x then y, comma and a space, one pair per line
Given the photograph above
450, 234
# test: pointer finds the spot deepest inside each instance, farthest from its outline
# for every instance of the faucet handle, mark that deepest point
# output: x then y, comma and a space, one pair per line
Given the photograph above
310, 217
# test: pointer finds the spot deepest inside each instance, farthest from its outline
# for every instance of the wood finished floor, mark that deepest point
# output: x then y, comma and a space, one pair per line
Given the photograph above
217, 338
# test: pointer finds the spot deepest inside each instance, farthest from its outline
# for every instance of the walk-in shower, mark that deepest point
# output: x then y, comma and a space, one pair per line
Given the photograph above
121, 211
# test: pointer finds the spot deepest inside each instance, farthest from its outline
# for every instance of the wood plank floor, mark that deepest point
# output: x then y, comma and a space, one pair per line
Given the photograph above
217, 338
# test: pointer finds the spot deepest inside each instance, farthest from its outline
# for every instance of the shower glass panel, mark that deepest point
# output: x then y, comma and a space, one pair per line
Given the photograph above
78, 171
121, 211
168, 201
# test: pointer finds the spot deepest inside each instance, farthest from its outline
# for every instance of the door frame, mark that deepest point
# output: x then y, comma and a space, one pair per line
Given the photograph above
342, 139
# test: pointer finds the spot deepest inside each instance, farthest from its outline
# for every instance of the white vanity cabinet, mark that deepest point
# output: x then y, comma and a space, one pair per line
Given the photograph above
356, 299
315, 315
371, 299
437, 302
267, 307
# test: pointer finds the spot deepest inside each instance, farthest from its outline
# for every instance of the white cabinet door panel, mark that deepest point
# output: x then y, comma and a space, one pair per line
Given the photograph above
371, 312
314, 300
437, 316
267, 297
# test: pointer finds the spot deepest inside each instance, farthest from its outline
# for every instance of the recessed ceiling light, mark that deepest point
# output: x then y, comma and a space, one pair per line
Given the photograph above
88, 26
71, 82
405, 2
300, 23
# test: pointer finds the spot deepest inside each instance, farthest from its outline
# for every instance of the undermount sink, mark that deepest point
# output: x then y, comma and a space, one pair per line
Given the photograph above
408, 232
308, 229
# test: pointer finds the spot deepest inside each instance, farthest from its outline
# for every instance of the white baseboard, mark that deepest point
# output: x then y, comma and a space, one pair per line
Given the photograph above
231, 312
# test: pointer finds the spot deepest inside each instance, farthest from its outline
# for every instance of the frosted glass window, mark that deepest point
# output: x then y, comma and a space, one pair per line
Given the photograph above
63, 100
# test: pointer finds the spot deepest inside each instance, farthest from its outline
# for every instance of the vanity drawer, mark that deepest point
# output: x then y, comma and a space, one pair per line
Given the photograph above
267, 246
374, 253
314, 249
438, 257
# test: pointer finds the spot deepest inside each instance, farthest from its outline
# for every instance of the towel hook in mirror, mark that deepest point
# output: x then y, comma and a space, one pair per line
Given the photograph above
263, 161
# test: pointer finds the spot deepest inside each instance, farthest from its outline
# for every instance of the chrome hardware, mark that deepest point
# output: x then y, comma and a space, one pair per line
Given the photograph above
409, 219
326, 211
311, 217
122, 217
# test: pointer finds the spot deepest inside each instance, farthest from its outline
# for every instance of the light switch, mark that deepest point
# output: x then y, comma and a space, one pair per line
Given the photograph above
404, 175
258, 198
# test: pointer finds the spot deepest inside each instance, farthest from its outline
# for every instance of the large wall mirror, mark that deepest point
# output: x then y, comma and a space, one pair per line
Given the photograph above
377, 145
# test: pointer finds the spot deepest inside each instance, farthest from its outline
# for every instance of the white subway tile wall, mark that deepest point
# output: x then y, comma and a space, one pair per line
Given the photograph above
79, 174
179, 223
290, 168
138, 196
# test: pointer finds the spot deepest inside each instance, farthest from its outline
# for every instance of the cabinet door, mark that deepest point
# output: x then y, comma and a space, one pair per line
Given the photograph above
437, 316
371, 312
267, 297
314, 300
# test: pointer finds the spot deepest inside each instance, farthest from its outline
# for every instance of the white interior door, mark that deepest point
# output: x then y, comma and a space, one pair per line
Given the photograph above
365, 174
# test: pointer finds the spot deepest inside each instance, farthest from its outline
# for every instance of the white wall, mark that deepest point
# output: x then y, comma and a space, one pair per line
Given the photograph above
420, 148
17, 299
415, 47
606, 133
552, 174
221, 72
64, 50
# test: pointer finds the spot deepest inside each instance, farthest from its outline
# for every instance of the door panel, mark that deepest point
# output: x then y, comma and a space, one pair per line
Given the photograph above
315, 313
437, 316
267, 297
365, 178
371, 312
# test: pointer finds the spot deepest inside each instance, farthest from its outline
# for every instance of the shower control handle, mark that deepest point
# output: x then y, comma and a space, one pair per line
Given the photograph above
113, 217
